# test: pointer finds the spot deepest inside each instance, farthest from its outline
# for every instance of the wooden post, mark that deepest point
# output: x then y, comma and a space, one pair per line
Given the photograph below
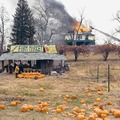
98, 73
108, 78
2, 65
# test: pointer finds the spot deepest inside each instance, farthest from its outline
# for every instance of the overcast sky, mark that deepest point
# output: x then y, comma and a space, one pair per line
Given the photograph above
99, 12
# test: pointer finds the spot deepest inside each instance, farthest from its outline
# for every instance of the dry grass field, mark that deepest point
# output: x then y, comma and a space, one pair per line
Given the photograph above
77, 88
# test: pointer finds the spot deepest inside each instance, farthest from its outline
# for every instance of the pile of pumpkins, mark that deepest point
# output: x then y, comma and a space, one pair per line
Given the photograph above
31, 75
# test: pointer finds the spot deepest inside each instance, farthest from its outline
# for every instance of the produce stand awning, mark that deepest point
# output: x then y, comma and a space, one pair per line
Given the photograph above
31, 56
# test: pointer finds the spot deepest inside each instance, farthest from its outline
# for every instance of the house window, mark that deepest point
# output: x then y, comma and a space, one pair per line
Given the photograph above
83, 37
90, 37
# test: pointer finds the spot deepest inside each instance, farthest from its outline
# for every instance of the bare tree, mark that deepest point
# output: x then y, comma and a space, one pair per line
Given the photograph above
47, 20
117, 18
3, 20
105, 50
76, 28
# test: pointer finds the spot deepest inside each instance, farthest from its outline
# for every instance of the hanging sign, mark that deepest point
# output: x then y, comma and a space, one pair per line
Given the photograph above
26, 48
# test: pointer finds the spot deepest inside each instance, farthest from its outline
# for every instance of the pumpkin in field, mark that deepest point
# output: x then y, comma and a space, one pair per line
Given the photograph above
100, 93
76, 109
58, 110
91, 117
80, 117
98, 99
61, 107
13, 103
82, 101
45, 109
95, 104
2, 107
54, 118
30, 107
19, 96
24, 108
109, 103
73, 96
44, 104
38, 109
106, 112
89, 94
103, 115
117, 113
18, 102
41, 89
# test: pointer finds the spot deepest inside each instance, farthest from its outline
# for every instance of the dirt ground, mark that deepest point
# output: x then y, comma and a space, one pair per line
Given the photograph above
68, 90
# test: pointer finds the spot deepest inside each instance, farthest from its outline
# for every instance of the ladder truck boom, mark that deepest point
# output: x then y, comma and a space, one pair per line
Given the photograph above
106, 34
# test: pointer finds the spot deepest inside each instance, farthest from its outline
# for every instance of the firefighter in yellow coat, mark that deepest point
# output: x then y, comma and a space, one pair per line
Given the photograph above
17, 70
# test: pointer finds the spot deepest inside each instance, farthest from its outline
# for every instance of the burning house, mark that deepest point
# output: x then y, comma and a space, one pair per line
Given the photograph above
80, 35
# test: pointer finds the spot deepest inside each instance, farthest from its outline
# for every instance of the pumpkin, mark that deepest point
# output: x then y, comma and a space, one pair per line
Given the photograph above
20, 76
41, 90
30, 107
91, 117
61, 107
100, 93
117, 113
103, 115
98, 99
76, 109
82, 110
38, 109
54, 118
95, 104
44, 104
89, 94
24, 108
106, 112
58, 110
18, 102
45, 109
82, 101
2, 107
73, 96
109, 103
67, 96
13, 103
80, 117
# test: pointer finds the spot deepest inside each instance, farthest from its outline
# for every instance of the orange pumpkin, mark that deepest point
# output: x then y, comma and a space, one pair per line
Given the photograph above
61, 107
109, 103
45, 109
41, 90
82, 101
58, 110
91, 117
30, 107
2, 107
13, 103
54, 118
117, 113
80, 117
24, 108
76, 109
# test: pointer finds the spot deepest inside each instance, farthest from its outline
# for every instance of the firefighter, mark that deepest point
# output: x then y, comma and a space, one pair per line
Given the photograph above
17, 70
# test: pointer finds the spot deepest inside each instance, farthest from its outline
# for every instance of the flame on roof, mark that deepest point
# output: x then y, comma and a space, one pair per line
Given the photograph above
80, 28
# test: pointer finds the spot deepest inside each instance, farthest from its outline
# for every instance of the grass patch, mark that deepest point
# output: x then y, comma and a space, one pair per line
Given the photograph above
29, 94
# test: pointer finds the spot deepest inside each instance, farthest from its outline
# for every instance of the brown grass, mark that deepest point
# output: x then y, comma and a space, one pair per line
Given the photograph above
82, 75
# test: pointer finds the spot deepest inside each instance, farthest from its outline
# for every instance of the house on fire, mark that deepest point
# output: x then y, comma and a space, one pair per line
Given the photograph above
80, 35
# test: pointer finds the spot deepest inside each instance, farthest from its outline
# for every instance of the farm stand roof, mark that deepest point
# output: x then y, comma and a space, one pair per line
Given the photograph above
31, 56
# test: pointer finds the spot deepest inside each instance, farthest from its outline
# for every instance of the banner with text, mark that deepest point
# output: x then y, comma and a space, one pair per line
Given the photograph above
26, 48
